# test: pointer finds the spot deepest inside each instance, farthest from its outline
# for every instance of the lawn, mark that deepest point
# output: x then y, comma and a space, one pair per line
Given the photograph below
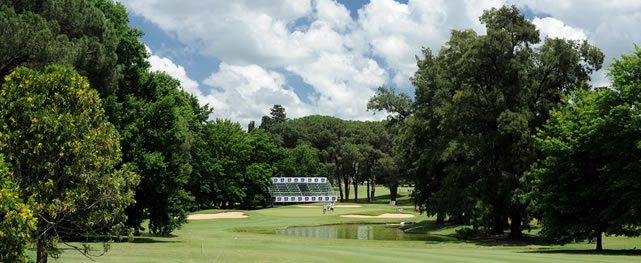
251, 240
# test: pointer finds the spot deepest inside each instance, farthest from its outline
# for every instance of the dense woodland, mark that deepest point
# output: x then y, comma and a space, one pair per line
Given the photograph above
503, 128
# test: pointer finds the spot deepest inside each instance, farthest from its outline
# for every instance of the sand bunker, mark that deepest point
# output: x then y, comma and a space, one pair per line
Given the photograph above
217, 216
336, 206
386, 215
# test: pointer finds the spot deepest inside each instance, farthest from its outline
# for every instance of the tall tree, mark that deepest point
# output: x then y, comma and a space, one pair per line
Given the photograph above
587, 184
276, 117
157, 127
478, 101
65, 156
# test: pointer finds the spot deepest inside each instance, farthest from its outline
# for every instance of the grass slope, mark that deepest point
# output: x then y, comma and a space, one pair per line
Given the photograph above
248, 240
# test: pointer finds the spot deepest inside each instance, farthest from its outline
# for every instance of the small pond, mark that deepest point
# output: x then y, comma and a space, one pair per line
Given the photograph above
359, 231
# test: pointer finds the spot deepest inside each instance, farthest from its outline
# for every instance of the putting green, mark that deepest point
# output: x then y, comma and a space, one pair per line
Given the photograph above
249, 240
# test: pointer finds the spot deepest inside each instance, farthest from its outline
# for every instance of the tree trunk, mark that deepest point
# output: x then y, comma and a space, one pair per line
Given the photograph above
355, 182
440, 218
393, 190
516, 225
368, 194
498, 225
459, 219
599, 241
346, 182
338, 178
340, 188
42, 255
373, 188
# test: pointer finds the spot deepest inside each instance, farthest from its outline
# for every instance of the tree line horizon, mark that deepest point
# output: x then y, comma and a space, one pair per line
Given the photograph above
504, 128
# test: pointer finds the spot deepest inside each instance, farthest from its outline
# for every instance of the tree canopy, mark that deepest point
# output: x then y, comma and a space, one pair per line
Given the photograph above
478, 102
587, 183
64, 154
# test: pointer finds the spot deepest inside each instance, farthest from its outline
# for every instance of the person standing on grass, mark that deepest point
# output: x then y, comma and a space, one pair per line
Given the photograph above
324, 208
331, 207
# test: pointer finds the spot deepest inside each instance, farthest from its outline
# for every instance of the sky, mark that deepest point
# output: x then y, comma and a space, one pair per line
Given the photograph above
328, 57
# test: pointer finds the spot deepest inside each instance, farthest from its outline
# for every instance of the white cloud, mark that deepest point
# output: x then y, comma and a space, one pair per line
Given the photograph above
164, 64
554, 28
244, 93
241, 93
342, 58
612, 26
334, 14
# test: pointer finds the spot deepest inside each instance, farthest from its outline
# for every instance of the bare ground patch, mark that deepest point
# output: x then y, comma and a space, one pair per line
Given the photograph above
336, 206
217, 216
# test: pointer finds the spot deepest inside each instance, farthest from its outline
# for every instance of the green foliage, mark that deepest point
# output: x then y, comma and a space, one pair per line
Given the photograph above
82, 33
478, 102
398, 106
588, 182
16, 220
64, 155
276, 117
304, 162
158, 127
345, 151
235, 166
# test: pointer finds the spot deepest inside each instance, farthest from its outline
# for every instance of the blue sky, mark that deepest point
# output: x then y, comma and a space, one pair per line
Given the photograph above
327, 57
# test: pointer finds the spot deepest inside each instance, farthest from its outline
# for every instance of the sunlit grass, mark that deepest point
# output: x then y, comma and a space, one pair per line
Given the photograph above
253, 240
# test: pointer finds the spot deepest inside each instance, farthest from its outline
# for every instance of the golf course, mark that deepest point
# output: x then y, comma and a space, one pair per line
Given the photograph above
256, 238
320, 131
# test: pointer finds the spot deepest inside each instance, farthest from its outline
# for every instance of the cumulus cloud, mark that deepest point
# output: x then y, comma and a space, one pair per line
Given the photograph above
239, 93
166, 65
243, 93
554, 28
344, 58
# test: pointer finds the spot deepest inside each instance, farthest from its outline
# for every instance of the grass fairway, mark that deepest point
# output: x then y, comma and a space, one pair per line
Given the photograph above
249, 240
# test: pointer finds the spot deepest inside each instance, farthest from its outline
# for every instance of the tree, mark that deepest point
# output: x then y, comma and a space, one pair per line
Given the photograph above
301, 161
478, 102
397, 105
276, 116
587, 183
235, 166
16, 220
393, 162
157, 125
82, 33
64, 155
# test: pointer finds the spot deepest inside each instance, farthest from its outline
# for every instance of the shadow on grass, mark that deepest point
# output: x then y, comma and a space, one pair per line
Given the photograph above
429, 227
613, 252
504, 241
147, 240
383, 199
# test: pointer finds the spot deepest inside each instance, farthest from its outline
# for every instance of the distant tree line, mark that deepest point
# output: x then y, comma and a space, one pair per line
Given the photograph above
350, 153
